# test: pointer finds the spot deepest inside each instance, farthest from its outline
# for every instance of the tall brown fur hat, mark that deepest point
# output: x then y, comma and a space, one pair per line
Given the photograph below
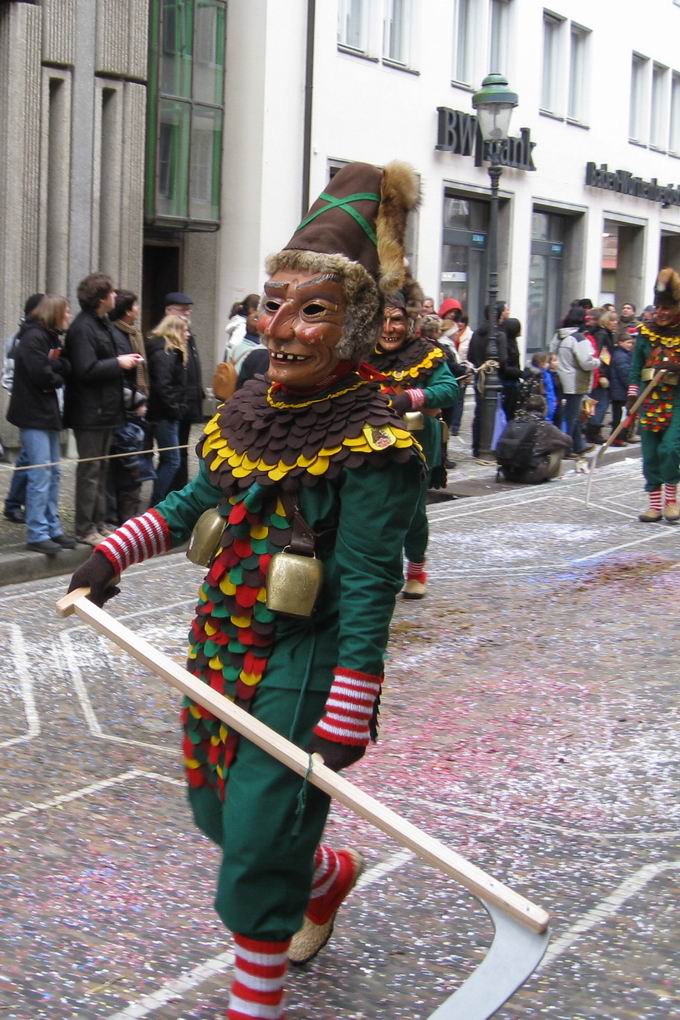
667, 289
355, 229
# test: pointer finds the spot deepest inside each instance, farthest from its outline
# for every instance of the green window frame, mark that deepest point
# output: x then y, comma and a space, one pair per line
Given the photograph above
185, 113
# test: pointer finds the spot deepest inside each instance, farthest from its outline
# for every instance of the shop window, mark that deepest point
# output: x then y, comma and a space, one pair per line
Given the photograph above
578, 74
397, 30
465, 40
674, 144
352, 24
464, 253
499, 36
659, 110
546, 274
550, 81
637, 129
185, 112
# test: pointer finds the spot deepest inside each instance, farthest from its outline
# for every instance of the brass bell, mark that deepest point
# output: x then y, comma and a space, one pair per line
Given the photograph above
414, 421
205, 538
293, 583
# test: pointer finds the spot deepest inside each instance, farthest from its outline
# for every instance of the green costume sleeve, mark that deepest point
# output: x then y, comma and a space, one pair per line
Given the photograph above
375, 512
442, 388
640, 355
182, 509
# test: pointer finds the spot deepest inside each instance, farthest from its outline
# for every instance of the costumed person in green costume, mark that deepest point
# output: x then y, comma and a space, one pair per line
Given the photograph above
417, 379
658, 347
309, 459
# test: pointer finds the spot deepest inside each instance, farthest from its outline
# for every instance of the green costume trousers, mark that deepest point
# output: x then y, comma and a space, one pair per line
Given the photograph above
661, 455
415, 543
267, 842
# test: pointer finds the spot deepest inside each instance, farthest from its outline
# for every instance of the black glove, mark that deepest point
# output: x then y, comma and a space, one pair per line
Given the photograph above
629, 403
336, 756
96, 574
401, 402
670, 366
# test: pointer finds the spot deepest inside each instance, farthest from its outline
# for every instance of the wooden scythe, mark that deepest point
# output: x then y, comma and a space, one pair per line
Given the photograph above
623, 424
521, 928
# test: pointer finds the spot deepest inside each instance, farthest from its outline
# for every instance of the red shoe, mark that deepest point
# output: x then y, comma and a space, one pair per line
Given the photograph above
317, 926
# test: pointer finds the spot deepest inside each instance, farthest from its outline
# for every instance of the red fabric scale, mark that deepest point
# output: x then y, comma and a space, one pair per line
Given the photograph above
242, 548
238, 513
195, 778
215, 573
251, 664
246, 597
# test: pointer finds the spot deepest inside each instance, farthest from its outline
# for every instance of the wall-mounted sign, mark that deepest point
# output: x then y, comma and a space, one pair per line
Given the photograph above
623, 182
457, 132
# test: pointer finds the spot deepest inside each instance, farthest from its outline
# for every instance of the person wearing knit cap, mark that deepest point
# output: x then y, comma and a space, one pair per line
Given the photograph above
658, 347
310, 459
417, 379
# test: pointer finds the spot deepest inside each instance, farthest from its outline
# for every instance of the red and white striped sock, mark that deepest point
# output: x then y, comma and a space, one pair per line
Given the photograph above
334, 875
670, 493
137, 540
415, 571
349, 708
655, 500
259, 977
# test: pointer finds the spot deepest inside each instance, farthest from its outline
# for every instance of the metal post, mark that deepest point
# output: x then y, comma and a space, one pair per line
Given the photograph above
493, 385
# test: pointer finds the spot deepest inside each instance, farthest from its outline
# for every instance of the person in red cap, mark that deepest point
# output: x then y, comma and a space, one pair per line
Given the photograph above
310, 459
447, 306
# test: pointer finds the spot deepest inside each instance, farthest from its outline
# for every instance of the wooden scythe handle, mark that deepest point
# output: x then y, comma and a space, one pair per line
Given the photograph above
426, 847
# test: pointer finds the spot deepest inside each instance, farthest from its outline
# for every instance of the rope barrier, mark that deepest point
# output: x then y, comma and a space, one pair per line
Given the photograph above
87, 460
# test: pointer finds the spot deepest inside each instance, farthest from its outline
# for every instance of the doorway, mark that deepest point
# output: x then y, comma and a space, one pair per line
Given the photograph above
622, 275
160, 276
546, 275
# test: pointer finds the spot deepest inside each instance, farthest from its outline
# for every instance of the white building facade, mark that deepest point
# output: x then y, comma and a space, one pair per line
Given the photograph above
590, 195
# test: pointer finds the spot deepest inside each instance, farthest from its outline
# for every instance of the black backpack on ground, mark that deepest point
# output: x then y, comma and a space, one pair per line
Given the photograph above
515, 449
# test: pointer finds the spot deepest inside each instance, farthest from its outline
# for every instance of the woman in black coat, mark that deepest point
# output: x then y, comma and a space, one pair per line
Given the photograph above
509, 365
40, 371
167, 355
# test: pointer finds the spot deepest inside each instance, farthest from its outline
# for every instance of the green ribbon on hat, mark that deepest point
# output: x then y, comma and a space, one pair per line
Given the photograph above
346, 205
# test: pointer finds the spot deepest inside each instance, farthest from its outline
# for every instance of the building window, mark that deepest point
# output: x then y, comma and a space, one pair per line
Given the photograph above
659, 113
578, 74
185, 112
352, 27
465, 40
638, 90
499, 36
674, 142
397, 30
552, 31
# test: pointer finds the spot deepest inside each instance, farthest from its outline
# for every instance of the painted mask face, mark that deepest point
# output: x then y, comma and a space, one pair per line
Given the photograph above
301, 321
395, 329
666, 316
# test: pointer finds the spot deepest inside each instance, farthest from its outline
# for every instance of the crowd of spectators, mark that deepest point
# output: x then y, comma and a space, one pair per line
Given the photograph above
120, 392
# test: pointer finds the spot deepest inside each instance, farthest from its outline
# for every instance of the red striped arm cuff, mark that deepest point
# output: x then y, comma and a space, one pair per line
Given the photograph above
417, 397
349, 708
138, 539
633, 390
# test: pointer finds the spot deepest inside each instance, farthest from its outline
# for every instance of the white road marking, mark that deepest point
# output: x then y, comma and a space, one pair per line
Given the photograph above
663, 532
65, 798
91, 719
595, 506
527, 823
605, 908
21, 663
191, 979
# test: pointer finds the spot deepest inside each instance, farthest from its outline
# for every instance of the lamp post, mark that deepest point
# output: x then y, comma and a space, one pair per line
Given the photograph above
494, 104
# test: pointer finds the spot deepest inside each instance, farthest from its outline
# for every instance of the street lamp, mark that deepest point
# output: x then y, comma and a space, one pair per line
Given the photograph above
494, 104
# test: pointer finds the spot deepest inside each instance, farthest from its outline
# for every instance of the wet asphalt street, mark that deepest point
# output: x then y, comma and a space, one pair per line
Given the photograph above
529, 721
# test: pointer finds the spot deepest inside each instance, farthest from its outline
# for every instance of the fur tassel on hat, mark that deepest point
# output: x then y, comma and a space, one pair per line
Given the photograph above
399, 194
668, 287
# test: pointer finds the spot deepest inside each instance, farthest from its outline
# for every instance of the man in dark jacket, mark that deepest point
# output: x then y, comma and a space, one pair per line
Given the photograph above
177, 303
478, 354
94, 399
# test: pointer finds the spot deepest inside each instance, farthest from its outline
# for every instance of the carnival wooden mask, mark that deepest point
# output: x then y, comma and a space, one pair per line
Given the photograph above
301, 320
395, 329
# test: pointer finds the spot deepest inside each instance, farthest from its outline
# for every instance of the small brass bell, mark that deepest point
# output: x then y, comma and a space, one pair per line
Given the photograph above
414, 421
293, 583
206, 536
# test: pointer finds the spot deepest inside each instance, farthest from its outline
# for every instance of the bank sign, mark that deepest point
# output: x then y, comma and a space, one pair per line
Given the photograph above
457, 132
623, 182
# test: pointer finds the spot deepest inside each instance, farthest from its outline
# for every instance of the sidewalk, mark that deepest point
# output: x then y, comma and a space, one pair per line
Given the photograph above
470, 477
